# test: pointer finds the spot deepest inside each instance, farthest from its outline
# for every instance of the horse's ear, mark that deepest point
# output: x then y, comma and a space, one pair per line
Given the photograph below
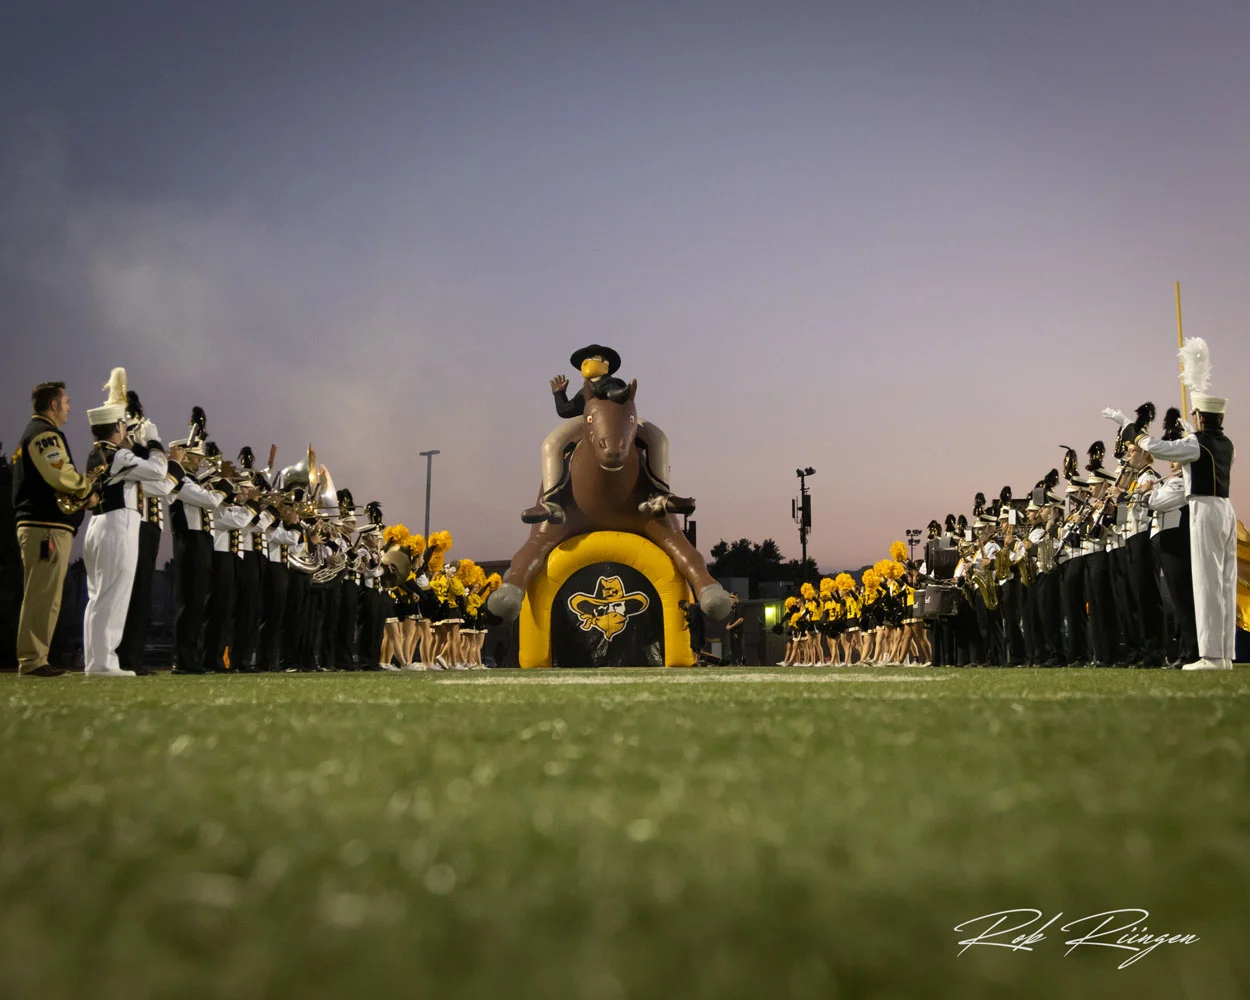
631, 391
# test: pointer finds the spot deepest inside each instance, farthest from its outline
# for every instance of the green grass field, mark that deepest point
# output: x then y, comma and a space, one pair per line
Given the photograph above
646, 834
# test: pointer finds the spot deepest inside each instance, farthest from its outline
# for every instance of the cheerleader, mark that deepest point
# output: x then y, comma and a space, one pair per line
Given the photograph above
791, 613
473, 577
870, 615
399, 637
809, 622
915, 642
449, 592
851, 637
826, 632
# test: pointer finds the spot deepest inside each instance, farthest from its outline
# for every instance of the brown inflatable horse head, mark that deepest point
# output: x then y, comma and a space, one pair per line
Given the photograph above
609, 427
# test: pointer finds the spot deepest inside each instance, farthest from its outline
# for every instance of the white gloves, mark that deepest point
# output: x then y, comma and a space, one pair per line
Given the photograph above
1118, 416
147, 432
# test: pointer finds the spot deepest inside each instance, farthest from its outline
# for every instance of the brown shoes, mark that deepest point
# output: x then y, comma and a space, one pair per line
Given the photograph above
45, 671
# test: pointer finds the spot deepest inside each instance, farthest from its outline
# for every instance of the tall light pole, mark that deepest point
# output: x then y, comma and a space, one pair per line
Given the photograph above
801, 511
429, 470
913, 539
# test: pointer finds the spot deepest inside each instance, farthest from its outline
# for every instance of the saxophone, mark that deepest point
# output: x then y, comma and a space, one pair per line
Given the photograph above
72, 503
1028, 569
983, 581
1002, 564
1046, 553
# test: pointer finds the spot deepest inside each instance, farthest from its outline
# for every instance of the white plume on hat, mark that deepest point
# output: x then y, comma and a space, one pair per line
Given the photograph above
1195, 364
1196, 375
114, 408
116, 387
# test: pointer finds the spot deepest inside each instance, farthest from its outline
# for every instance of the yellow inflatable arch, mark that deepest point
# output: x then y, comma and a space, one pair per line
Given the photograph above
581, 551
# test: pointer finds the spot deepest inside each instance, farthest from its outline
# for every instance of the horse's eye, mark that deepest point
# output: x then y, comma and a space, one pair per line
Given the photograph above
631, 418
590, 418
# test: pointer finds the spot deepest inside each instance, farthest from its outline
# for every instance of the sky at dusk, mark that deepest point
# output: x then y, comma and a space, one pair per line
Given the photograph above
917, 245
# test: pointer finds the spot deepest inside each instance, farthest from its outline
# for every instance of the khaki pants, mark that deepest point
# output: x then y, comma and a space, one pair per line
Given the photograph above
42, 583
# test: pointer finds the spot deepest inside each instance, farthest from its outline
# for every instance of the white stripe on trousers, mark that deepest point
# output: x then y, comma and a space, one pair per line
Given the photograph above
111, 552
1213, 562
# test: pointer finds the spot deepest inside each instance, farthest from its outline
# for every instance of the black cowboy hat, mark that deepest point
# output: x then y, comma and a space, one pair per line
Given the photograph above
597, 351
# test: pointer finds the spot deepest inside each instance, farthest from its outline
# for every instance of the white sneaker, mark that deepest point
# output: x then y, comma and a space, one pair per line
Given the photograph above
110, 673
1206, 663
414, 666
389, 666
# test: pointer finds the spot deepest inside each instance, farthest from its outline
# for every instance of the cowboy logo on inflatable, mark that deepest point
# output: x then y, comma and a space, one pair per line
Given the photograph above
609, 608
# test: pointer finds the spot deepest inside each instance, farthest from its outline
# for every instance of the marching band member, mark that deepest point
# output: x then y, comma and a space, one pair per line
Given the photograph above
229, 522
349, 601
111, 548
249, 572
304, 559
1206, 459
1146, 598
1169, 539
191, 508
1071, 558
152, 513
280, 536
373, 598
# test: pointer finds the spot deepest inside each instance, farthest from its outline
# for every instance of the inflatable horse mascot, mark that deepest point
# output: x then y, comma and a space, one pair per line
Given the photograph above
604, 470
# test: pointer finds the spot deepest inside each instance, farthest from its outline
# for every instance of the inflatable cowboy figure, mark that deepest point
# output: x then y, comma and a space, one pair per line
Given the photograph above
598, 366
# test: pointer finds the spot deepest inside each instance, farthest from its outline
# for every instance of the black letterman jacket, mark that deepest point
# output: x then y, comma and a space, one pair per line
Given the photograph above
42, 467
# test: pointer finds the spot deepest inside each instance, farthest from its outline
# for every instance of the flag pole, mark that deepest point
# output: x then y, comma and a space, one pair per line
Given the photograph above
1180, 342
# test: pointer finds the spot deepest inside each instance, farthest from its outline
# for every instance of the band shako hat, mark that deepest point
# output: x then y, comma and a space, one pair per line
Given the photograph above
113, 409
1203, 403
597, 351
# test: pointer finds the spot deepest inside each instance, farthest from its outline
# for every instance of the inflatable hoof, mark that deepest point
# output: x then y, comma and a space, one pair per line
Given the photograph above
505, 603
714, 601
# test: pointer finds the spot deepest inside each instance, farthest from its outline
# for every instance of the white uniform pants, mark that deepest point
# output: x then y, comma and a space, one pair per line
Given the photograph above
1213, 560
111, 552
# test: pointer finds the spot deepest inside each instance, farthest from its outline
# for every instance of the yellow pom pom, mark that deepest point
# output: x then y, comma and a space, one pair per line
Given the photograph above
415, 545
898, 551
440, 540
396, 534
471, 573
808, 591
844, 581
